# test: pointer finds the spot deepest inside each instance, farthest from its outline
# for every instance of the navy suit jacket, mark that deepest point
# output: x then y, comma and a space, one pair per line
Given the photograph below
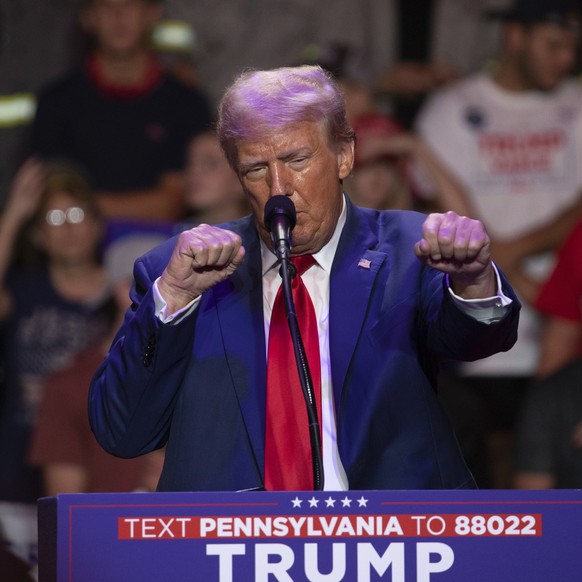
198, 386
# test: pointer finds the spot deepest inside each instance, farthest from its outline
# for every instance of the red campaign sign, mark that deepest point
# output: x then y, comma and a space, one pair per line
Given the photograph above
316, 526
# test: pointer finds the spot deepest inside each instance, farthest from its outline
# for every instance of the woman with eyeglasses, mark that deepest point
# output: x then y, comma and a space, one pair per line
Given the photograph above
55, 300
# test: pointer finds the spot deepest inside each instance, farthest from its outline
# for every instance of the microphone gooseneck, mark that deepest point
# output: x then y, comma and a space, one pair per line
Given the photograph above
280, 219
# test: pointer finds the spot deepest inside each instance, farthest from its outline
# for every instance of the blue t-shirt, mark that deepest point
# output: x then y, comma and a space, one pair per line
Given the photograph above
42, 334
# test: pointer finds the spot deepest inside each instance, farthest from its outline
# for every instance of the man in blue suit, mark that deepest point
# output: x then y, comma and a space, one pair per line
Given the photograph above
394, 293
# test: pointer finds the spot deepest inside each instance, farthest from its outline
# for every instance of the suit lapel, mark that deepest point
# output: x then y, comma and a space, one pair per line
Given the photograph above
354, 271
239, 305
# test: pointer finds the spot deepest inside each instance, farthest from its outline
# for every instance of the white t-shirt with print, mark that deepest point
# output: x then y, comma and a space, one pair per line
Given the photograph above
517, 155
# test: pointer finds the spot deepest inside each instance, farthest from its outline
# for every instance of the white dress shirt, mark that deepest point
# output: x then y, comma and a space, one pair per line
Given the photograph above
316, 279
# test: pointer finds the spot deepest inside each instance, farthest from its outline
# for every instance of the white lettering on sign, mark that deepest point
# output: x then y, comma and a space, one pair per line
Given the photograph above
327, 526
273, 561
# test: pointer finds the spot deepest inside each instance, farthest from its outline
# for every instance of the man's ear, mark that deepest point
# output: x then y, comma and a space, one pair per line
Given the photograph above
155, 12
514, 35
345, 158
86, 18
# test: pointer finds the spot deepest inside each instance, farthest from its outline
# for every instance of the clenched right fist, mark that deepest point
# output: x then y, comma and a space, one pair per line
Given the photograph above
203, 256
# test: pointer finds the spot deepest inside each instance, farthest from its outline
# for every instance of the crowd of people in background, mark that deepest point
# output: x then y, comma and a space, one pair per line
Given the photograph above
109, 148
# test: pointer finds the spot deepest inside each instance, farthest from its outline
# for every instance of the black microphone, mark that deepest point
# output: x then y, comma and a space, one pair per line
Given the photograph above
280, 219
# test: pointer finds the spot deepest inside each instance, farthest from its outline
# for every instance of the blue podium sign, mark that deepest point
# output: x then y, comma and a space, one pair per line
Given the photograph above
399, 536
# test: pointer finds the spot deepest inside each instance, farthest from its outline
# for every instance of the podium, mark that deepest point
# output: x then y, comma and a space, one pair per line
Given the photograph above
399, 536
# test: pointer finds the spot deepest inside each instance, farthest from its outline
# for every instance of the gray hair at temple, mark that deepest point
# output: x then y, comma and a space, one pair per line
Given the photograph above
259, 102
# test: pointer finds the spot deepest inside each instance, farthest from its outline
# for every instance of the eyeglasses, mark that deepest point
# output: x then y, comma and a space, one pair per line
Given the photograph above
72, 215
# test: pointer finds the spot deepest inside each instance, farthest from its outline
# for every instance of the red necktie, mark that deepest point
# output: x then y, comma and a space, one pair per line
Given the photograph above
288, 464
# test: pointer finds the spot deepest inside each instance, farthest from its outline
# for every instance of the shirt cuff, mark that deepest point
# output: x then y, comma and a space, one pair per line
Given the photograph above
487, 309
161, 307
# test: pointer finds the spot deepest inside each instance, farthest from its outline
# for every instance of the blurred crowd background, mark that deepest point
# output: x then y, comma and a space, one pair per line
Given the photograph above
107, 148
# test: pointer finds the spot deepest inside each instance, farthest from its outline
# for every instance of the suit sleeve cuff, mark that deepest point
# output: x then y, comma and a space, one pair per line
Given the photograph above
161, 307
487, 309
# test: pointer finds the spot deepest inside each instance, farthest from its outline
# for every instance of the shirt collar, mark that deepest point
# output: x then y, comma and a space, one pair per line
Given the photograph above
151, 79
324, 257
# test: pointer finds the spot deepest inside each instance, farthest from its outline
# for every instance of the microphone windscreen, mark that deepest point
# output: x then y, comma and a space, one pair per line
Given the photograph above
280, 205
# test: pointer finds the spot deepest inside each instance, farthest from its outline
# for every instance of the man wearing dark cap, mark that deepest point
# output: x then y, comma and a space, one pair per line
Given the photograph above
563, 13
512, 136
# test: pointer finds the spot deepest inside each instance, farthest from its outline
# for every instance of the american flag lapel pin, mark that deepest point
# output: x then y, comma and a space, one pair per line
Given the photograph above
364, 263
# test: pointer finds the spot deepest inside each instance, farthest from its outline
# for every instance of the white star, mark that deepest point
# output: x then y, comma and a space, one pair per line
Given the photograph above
313, 502
346, 502
329, 502
362, 502
296, 502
